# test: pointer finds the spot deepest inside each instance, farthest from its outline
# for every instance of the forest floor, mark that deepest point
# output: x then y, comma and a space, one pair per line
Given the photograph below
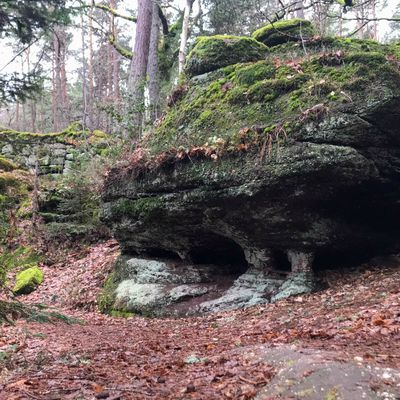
340, 343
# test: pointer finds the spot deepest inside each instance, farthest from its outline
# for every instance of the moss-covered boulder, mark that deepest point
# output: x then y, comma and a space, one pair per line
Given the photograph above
284, 31
28, 280
276, 165
212, 52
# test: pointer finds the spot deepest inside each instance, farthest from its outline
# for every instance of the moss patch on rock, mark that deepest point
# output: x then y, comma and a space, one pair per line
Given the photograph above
248, 102
139, 208
68, 135
7, 165
284, 31
28, 280
214, 52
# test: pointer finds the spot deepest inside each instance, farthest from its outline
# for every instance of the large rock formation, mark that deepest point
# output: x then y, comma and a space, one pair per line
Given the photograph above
268, 167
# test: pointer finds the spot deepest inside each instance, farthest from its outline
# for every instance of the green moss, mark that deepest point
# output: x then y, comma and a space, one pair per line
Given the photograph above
284, 31
72, 131
121, 50
327, 46
106, 298
265, 93
121, 314
7, 165
143, 208
20, 257
28, 280
214, 52
251, 73
99, 134
8, 179
25, 208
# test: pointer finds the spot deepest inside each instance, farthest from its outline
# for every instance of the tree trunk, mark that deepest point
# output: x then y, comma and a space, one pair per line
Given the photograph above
32, 103
57, 82
140, 58
184, 35
90, 97
60, 98
84, 83
17, 118
24, 124
152, 67
56, 122
116, 59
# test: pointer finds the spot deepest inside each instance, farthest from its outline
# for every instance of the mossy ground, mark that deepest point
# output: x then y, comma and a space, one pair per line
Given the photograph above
244, 103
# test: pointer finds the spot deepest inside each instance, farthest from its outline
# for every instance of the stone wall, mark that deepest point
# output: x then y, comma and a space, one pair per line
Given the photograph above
55, 153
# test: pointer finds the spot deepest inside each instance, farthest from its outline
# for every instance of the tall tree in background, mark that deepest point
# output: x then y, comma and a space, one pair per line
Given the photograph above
153, 70
184, 34
60, 93
137, 77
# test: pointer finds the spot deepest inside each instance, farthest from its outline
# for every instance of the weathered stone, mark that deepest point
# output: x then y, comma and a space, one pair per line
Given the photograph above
251, 288
157, 287
59, 152
300, 261
7, 149
297, 283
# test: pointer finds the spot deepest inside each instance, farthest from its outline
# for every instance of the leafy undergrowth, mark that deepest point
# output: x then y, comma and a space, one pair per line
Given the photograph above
358, 318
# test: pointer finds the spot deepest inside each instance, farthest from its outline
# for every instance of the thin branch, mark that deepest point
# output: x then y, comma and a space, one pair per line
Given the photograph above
358, 29
367, 19
109, 10
120, 49
20, 52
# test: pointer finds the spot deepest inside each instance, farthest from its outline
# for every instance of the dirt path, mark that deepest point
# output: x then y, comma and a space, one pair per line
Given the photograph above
336, 344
